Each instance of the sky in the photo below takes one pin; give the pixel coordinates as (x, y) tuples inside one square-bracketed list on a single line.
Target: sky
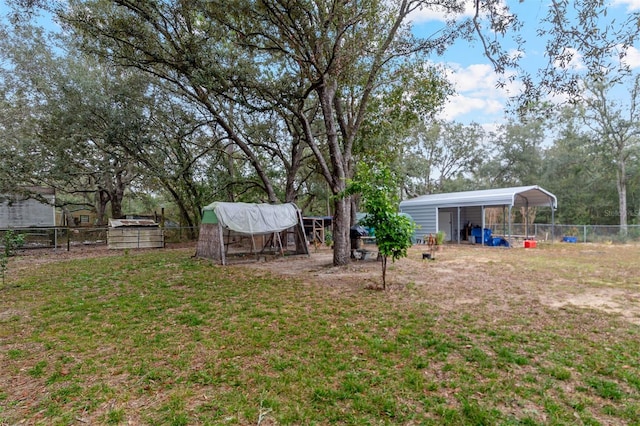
[(477, 98)]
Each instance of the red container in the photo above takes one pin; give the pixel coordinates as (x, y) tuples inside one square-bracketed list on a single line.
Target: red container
[(529, 244)]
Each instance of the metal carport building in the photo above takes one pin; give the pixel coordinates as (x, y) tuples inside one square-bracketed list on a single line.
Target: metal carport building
[(451, 211)]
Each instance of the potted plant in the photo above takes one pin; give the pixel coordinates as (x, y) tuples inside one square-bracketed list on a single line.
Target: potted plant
[(440, 235)]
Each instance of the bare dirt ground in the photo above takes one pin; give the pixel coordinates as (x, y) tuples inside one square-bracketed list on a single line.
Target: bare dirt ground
[(491, 277), (461, 275)]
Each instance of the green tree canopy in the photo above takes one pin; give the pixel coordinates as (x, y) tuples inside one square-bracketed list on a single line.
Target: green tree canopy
[(393, 231)]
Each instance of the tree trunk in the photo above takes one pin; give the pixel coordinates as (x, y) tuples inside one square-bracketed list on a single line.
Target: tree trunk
[(341, 227), (116, 200), (338, 175), (384, 272), (621, 183), (116, 208), (102, 198)]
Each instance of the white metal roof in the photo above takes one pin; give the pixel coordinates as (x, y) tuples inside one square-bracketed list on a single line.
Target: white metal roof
[(121, 223), (520, 196)]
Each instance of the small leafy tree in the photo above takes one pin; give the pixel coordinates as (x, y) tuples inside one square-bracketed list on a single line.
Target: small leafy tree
[(11, 241), (377, 188)]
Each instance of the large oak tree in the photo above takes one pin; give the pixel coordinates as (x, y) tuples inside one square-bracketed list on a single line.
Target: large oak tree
[(317, 64)]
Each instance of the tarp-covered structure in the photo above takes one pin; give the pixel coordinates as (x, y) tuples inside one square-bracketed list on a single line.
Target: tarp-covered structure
[(450, 212), (242, 229)]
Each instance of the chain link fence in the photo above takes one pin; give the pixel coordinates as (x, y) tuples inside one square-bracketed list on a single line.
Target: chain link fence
[(67, 238), (60, 238), (571, 233)]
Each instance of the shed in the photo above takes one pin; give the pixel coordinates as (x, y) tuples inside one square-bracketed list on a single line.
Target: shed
[(450, 212), (256, 230), (134, 234), (28, 207)]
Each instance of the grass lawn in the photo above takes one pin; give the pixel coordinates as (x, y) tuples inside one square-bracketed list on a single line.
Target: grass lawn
[(480, 336)]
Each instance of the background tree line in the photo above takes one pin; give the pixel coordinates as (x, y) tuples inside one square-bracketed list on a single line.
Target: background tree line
[(183, 103)]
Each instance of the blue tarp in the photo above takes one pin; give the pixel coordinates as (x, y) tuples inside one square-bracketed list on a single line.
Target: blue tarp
[(498, 242), (477, 234)]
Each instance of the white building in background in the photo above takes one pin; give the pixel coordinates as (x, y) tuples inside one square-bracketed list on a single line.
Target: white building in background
[(35, 207)]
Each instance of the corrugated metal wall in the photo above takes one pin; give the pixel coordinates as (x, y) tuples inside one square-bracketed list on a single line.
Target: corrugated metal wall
[(17, 213), (425, 219), (473, 215)]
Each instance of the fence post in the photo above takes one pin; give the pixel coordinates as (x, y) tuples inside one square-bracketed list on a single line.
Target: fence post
[(584, 231)]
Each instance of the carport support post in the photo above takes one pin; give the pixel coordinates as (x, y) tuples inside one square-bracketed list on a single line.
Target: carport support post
[(526, 230), (511, 242), (526, 219), (458, 225), (482, 229), (553, 223)]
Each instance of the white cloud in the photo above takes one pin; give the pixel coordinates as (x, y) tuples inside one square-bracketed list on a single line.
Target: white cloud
[(517, 54), (572, 60), (434, 13), (491, 127), (630, 4), (478, 97), (477, 109), (439, 13), (632, 58), (473, 77)]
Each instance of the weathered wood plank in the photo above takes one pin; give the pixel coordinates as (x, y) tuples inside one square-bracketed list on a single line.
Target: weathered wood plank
[(126, 238)]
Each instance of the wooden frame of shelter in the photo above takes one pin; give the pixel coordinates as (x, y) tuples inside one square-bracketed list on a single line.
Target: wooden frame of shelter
[(315, 228), (250, 231)]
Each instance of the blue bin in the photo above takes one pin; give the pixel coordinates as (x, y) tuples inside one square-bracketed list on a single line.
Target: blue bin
[(477, 234), (570, 239)]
